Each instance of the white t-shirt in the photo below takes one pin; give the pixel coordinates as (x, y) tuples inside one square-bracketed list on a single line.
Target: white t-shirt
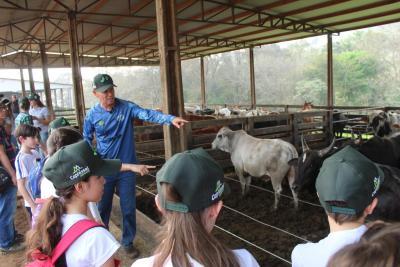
[(92, 248), (41, 113), (24, 163), (244, 257), (318, 254), (47, 188)]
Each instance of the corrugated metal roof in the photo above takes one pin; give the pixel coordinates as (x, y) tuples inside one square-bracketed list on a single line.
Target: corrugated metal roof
[(124, 32)]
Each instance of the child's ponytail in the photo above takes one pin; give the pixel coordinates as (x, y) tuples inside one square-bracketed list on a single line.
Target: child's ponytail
[(48, 229)]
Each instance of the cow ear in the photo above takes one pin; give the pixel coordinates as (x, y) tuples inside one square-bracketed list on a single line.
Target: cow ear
[(293, 162)]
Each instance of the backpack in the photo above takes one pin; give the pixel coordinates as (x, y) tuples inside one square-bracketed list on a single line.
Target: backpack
[(76, 230), (34, 177)]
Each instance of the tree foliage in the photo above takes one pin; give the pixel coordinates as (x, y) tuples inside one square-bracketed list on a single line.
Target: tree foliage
[(365, 68)]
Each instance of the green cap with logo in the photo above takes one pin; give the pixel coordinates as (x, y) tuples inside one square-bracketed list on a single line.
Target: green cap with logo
[(348, 182), (73, 163), (196, 177), (33, 96), (57, 123), (102, 82), (24, 101)]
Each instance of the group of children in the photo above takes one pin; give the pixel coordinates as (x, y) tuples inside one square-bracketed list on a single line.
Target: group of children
[(190, 189)]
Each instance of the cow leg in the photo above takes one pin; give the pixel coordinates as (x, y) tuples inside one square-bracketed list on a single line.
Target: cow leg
[(242, 180), (247, 185), (291, 179), (276, 185)]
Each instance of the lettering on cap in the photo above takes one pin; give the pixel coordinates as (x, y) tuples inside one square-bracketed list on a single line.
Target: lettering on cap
[(79, 171), (219, 189)]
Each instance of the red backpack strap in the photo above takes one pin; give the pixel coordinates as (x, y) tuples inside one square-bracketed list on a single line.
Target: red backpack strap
[(75, 231)]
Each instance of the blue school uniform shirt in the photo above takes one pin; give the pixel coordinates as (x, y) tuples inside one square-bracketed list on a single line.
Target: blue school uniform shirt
[(114, 129)]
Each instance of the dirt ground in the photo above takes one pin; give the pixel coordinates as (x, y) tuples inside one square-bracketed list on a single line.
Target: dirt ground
[(308, 221), (22, 225)]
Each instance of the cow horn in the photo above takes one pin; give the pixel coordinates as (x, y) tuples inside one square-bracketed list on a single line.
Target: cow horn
[(304, 145), (326, 150)]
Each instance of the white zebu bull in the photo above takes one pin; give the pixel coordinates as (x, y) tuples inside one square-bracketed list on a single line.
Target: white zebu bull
[(259, 157)]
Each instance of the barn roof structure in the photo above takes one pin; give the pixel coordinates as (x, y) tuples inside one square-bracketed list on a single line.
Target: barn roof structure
[(124, 32), (85, 33)]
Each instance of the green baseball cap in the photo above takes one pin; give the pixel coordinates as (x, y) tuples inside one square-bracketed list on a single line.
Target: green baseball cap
[(24, 101), (196, 177), (102, 82), (73, 163), (57, 123), (348, 182), (33, 96)]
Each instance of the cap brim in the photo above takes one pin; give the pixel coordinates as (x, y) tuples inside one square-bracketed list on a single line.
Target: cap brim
[(104, 88), (107, 167)]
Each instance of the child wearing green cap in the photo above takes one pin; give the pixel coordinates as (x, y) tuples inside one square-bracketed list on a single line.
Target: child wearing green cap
[(77, 173), (61, 137), (346, 186), (23, 116), (190, 187)]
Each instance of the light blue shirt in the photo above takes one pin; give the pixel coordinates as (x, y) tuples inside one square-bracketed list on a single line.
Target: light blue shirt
[(114, 129)]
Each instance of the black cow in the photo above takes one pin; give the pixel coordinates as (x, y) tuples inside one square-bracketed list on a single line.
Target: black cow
[(380, 124), (388, 207), (339, 122), (380, 150), (377, 149), (308, 165)]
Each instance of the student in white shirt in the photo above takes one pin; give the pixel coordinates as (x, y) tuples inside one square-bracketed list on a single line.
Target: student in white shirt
[(77, 174), (26, 160), (40, 115), (190, 187), (346, 185)]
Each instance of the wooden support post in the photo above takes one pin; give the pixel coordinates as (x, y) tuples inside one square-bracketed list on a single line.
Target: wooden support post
[(330, 73), (252, 79), (330, 96), (170, 71), (46, 80), (21, 72), (31, 80), (76, 71), (202, 84)]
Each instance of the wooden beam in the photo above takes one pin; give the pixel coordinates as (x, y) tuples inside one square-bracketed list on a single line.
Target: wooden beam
[(170, 72), (76, 71), (21, 73), (46, 80), (31, 80), (202, 84), (252, 79)]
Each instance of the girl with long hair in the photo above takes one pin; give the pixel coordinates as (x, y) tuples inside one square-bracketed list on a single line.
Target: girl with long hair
[(190, 188), (77, 174)]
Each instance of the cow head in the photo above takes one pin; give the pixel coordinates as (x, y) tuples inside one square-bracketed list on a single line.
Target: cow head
[(380, 124), (221, 141), (308, 165)]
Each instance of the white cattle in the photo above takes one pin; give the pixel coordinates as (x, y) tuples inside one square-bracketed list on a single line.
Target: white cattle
[(259, 157)]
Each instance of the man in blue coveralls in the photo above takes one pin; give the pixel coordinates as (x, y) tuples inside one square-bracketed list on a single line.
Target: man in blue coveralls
[(111, 121)]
